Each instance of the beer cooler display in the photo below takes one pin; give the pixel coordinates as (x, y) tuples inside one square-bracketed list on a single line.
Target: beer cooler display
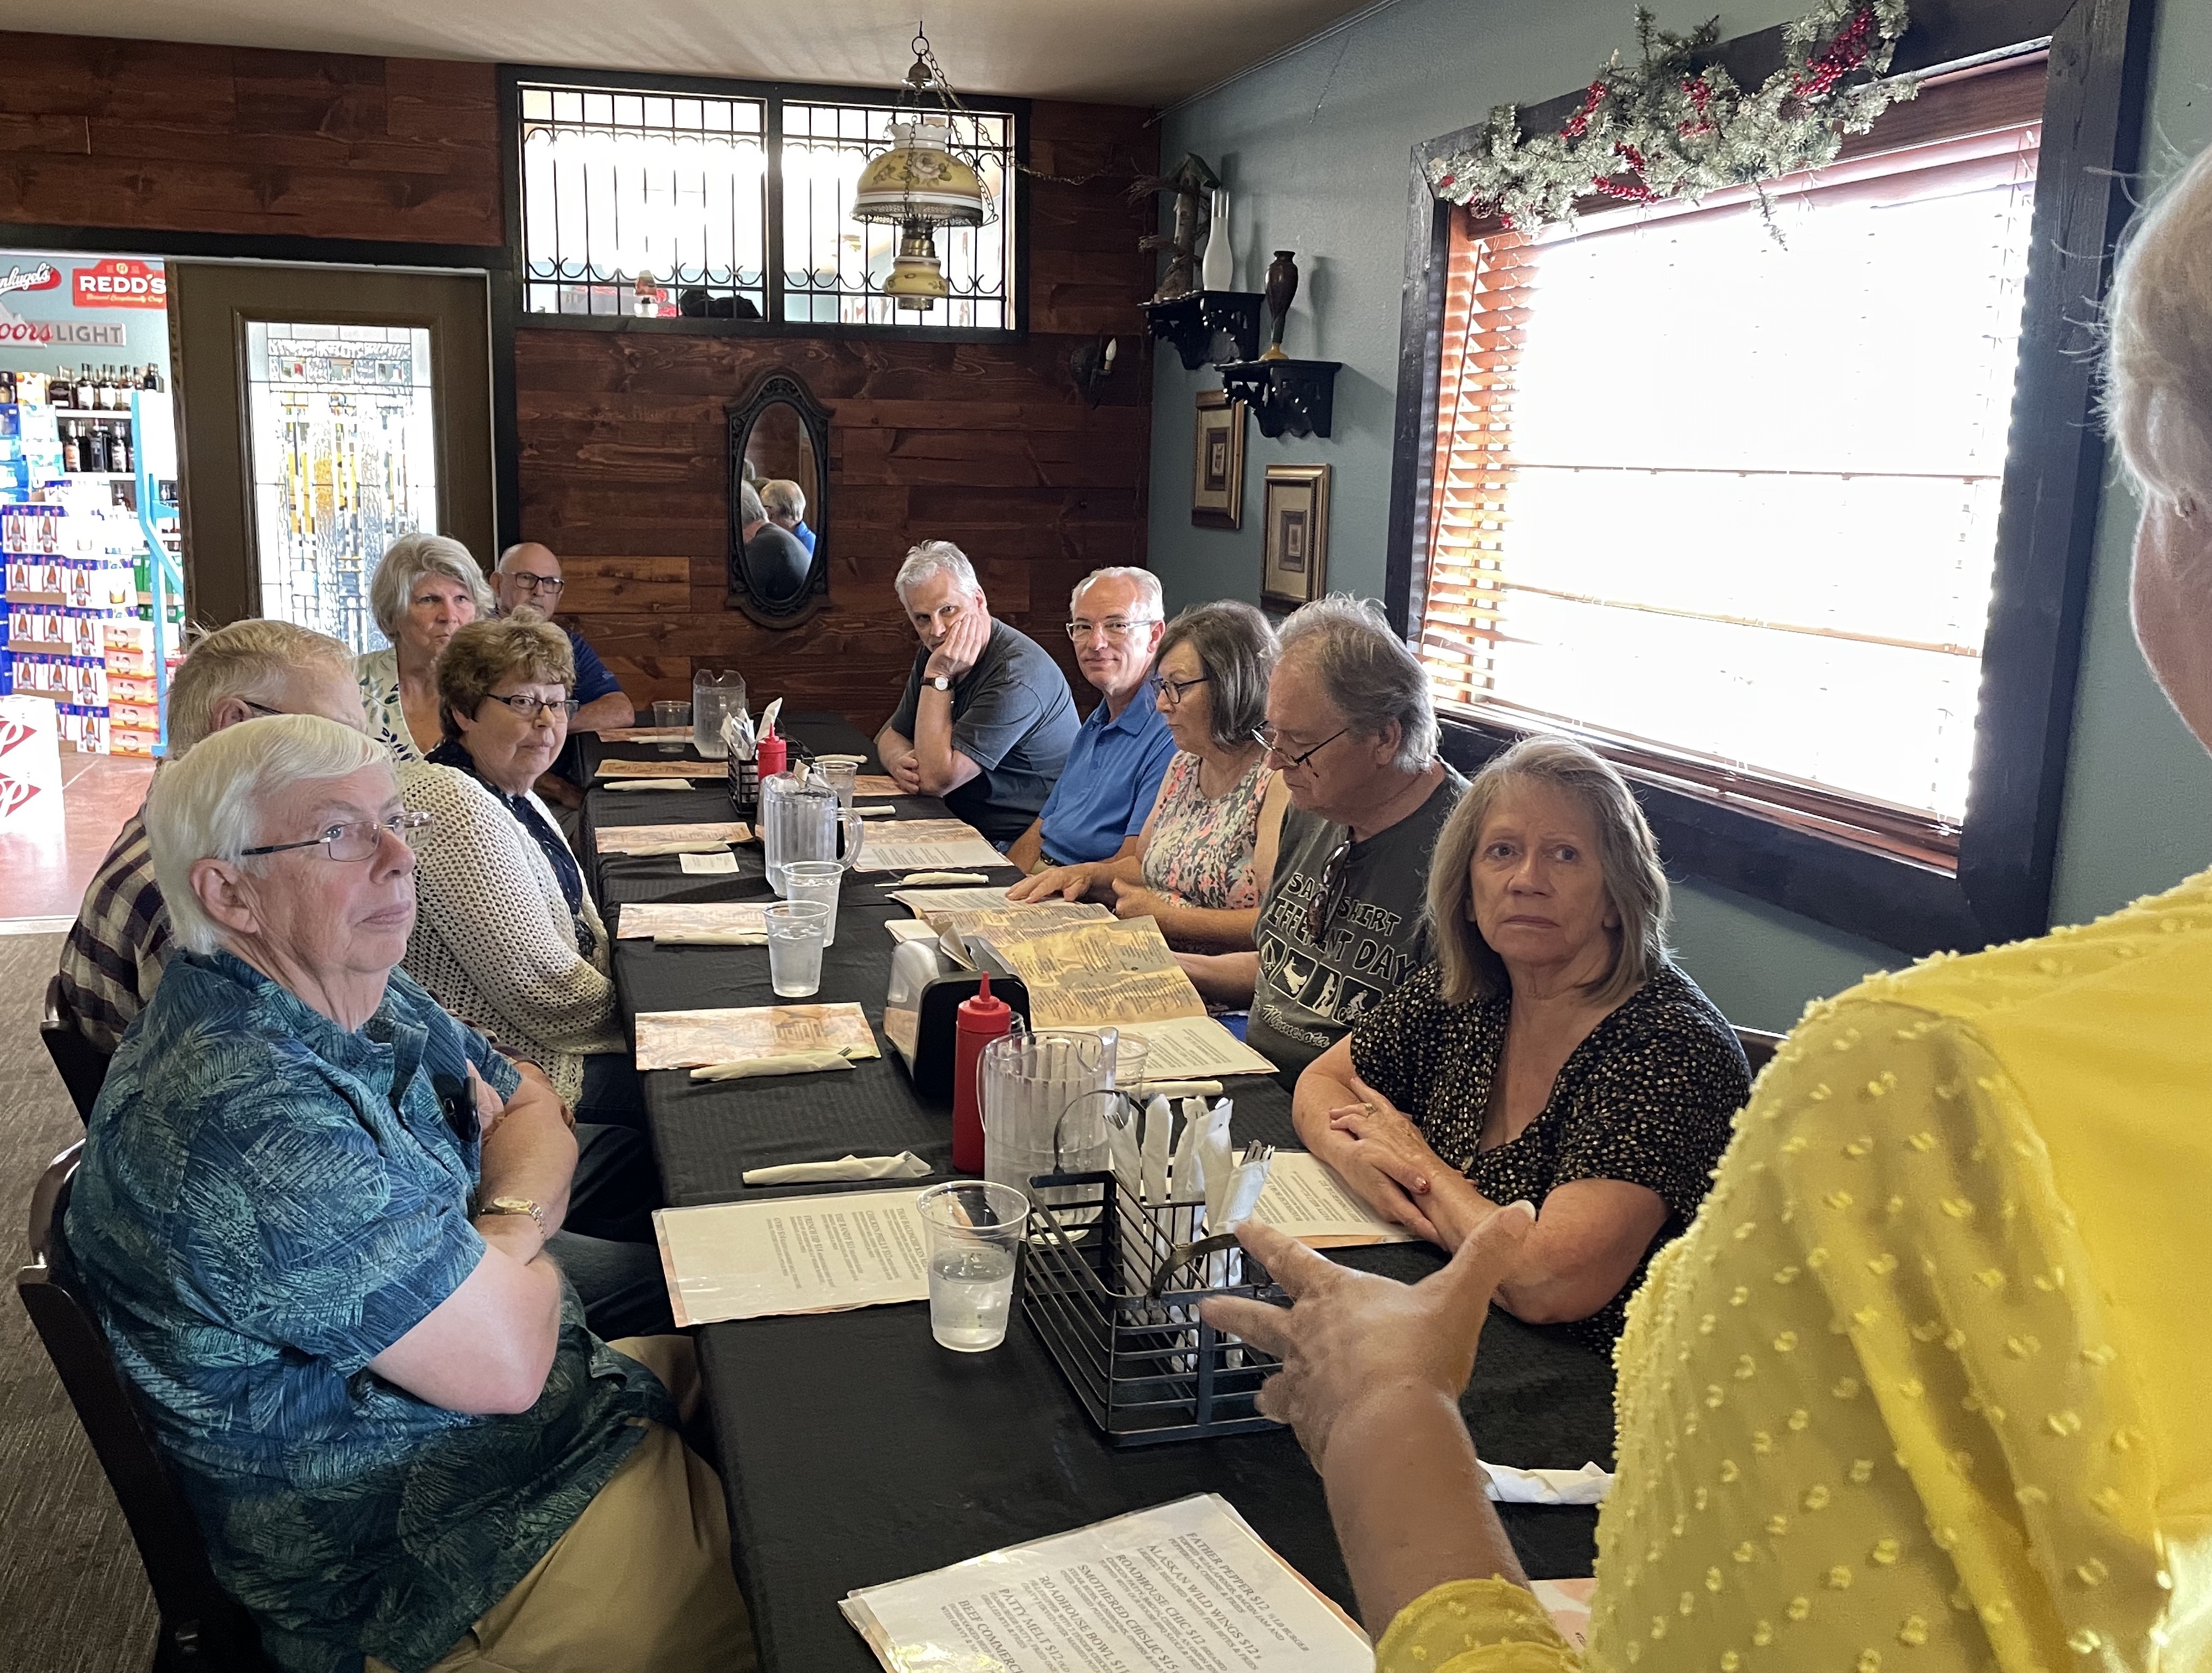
[(342, 438), (88, 524)]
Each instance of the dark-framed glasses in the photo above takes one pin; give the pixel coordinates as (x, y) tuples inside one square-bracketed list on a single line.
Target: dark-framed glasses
[(355, 839), (531, 583), (530, 707), (1113, 627), (1267, 739), (1170, 689), (1328, 893)]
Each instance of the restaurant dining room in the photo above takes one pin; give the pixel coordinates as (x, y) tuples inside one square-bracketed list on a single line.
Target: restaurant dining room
[(1439, 900)]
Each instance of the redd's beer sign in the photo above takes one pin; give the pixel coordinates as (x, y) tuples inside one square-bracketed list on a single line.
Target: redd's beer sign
[(121, 283)]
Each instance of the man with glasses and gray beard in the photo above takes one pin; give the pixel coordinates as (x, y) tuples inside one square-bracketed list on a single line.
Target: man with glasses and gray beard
[(1351, 727)]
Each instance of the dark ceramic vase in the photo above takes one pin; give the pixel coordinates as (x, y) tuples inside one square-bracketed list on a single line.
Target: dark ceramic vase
[(1282, 289)]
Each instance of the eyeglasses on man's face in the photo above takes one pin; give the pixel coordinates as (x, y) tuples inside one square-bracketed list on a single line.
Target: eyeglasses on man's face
[(530, 707), (1270, 740), (352, 840), (1113, 627), (531, 583), (1169, 690)]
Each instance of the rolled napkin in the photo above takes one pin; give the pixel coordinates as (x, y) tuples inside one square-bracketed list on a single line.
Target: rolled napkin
[(1159, 1127), (878, 811), (783, 1062), (931, 879), (1588, 1486), (904, 1165), (710, 938), (647, 784), (1178, 1088)]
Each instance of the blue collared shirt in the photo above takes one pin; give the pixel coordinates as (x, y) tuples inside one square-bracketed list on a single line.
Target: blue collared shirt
[(1106, 791), (267, 1203)]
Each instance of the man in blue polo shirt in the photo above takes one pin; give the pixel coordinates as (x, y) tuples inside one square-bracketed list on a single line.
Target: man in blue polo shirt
[(1114, 771), (529, 577)]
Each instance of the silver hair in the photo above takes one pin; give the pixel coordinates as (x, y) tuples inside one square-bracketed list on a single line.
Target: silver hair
[(2159, 363), (783, 497), (406, 560), (1154, 603), (749, 509), (1367, 672), (249, 659), (935, 557), (209, 805)]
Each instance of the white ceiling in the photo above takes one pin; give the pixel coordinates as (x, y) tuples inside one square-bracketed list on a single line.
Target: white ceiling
[(1117, 52)]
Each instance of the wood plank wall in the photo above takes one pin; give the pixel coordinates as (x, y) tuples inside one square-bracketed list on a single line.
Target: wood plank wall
[(158, 135), (984, 444), (623, 454)]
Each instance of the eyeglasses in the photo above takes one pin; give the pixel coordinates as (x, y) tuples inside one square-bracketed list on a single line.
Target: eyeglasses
[(263, 707), (530, 707), (1323, 905), (357, 840), (1171, 690), (1259, 736), (1113, 627), (528, 582)]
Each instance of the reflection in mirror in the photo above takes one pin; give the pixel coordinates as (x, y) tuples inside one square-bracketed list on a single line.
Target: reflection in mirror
[(780, 453)]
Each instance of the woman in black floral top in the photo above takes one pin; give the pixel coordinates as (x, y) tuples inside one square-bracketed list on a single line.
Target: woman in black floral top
[(1552, 1053)]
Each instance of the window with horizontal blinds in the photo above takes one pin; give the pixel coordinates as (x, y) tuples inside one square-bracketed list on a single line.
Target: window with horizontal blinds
[(1726, 504)]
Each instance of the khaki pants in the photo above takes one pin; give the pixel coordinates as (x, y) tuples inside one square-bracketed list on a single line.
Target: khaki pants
[(642, 1582)]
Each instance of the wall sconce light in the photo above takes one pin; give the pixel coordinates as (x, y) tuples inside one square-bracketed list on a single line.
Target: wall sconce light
[(1090, 365)]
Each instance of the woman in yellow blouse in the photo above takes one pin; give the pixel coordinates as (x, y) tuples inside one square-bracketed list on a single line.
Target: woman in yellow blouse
[(1924, 1389)]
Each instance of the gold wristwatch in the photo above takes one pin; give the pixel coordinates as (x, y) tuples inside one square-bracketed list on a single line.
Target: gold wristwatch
[(515, 1205)]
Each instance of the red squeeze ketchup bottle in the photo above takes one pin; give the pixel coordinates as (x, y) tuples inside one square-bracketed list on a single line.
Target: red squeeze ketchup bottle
[(771, 754), (979, 1020)]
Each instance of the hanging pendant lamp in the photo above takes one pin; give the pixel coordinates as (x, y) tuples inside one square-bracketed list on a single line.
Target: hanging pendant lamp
[(921, 184)]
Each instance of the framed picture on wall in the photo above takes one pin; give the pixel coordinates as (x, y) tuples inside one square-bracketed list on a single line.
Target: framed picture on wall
[(1217, 481), (1294, 541)]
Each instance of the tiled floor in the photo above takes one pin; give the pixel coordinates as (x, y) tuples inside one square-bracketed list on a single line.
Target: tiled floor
[(44, 865)]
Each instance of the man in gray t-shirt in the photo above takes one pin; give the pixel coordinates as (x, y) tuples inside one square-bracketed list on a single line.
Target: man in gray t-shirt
[(1341, 924), (987, 720)]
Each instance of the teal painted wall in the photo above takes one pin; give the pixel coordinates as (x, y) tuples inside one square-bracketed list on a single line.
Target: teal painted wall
[(1315, 150)]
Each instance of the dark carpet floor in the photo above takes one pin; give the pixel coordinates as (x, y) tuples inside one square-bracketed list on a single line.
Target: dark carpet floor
[(73, 1598)]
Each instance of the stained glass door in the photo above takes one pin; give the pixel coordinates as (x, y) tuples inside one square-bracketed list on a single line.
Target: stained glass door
[(343, 436)]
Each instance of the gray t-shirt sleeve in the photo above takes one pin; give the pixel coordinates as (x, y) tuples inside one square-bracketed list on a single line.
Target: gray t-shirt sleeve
[(1004, 711)]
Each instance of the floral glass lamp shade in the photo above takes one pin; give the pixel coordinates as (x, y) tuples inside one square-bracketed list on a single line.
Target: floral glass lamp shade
[(921, 184)]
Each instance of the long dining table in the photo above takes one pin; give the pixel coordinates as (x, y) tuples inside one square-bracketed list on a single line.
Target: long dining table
[(853, 1450)]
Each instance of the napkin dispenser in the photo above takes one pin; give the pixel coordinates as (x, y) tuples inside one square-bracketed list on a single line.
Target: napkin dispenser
[(920, 1012)]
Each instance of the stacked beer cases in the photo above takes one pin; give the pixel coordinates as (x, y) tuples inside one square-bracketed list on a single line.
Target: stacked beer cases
[(78, 634)]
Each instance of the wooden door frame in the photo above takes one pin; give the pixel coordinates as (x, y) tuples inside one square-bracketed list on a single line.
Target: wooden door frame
[(220, 507)]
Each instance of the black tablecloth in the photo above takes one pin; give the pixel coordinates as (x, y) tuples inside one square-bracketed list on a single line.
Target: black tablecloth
[(854, 1450)]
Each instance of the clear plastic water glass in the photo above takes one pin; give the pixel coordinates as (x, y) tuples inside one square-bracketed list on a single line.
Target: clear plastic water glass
[(1131, 1054), (841, 774), (974, 1231), (668, 714), (795, 930), (820, 881)]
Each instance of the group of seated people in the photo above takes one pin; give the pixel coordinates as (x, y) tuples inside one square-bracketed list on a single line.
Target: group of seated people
[(1904, 1339)]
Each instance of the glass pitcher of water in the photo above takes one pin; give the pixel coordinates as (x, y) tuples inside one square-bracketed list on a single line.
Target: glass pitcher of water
[(800, 820), (716, 692)]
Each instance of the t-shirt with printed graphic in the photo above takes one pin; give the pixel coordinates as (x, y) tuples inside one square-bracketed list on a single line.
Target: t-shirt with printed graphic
[(1308, 997)]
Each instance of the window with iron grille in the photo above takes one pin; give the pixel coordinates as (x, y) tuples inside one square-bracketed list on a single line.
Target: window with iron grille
[(1725, 503), (688, 186)]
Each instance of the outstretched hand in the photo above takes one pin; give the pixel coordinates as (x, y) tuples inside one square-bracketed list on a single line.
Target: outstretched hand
[(1068, 882), (1349, 1336)]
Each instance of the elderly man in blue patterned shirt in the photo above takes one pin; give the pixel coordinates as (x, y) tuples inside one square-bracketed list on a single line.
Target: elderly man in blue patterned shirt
[(312, 1215)]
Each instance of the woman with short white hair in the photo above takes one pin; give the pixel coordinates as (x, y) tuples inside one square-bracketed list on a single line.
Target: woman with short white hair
[(426, 588)]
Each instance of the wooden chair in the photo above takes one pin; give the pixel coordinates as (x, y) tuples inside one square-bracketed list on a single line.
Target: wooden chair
[(204, 1629), (1759, 1046), (83, 1066)]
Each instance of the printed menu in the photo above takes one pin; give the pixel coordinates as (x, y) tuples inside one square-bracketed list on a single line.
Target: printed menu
[(910, 845), (1186, 1587), (1305, 1200), (691, 1039), (961, 934), (642, 918), (661, 769), (793, 1254), (671, 838)]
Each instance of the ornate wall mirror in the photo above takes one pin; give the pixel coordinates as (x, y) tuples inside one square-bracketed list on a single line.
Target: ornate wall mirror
[(779, 435)]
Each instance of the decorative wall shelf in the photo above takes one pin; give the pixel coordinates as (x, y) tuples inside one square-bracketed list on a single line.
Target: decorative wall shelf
[(1297, 395), (1192, 322)]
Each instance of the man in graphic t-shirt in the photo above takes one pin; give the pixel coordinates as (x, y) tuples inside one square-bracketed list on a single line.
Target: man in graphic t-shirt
[(1341, 925)]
